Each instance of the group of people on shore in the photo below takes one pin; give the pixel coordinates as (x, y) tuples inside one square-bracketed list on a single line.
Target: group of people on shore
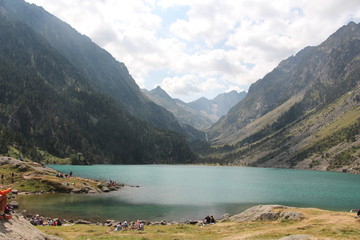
[(60, 175), (41, 221), (138, 225), (209, 220)]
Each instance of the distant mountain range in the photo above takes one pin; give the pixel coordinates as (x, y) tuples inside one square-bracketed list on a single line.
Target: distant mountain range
[(201, 113), (303, 114)]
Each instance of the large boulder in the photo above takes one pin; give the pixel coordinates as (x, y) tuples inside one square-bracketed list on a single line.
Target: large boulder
[(80, 221), (267, 212), (14, 204), (76, 190), (19, 228), (9, 160)]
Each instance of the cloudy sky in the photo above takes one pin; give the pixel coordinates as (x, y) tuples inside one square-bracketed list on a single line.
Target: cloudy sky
[(195, 48)]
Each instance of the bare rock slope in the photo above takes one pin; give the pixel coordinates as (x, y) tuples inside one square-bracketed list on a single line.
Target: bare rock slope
[(267, 212), (18, 228)]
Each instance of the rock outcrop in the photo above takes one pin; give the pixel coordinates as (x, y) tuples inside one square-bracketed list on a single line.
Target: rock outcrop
[(298, 237), (267, 212), (19, 228)]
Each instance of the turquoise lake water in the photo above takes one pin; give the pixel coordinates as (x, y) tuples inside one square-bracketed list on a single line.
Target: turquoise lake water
[(183, 192)]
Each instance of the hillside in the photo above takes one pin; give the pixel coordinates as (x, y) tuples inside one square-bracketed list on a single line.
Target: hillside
[(303, 114), (101, 70), (48, 106), (201, 113)]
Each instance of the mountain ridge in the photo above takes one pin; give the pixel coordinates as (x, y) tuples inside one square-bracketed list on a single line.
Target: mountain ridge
[(201, 113), (262, 130), (102, 70), (48, 106)]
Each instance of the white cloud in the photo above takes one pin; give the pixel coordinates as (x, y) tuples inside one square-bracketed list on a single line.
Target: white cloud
[(189, 84), (234, 42)]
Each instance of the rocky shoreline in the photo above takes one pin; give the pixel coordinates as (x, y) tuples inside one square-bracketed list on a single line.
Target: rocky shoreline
[(20, 228), (256, 213), (19, 173)]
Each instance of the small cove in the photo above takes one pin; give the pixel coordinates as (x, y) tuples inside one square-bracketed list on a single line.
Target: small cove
[(183, 192)]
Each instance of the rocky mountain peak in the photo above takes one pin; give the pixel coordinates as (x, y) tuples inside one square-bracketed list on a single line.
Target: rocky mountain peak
[(346, 33)]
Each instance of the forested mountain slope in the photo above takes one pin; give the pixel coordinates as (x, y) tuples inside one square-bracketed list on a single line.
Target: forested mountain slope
[(305, 113), (47, 105), (101, 70)]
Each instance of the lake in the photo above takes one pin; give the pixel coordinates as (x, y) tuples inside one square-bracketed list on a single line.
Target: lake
[(183, 192)]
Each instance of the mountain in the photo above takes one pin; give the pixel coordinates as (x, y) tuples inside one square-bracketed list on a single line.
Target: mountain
[(184, 114), (219, 106), (303, 114), (199, 114), (102, 71), (48, 106)]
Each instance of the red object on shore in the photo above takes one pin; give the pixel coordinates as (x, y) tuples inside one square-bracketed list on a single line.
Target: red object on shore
[(5, 217), (5, 192)]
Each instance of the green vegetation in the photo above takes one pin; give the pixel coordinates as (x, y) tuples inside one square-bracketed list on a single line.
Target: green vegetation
[(101, 70), (50, 113), (305, 108), (343, 135), (319, 224), (346, 157), (33, 177), (20, 183)]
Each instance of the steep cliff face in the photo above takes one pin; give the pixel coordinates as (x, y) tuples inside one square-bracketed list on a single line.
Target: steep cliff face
[(103, 72), (317, 88), (47, 104), (313, 69)]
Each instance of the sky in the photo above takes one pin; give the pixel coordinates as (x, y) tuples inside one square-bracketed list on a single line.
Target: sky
[(201, 48)]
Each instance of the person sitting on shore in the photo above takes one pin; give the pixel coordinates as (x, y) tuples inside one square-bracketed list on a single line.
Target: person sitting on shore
[(132, 225), (58, 222), (37, 220), (3, 201), (118, 227), (140, 226), (212, 220), (206, 220), (125, 225), (54, 223)]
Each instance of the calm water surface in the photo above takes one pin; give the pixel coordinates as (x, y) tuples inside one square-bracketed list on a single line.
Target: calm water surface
[(192, 192)]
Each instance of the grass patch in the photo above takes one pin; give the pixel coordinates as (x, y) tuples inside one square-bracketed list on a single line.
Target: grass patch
[(346, 120), (346, 157), (50, 159), (318, 223)]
